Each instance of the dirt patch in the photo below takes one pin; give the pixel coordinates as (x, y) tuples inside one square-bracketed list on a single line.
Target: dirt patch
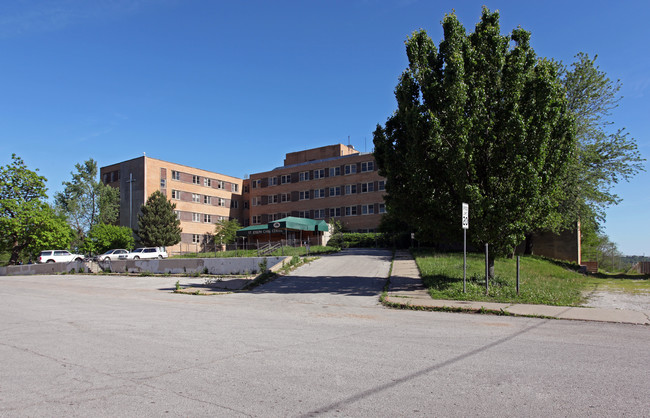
[(619, 300)]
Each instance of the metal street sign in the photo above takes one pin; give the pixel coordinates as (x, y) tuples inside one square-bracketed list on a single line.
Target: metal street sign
[(465, 216)]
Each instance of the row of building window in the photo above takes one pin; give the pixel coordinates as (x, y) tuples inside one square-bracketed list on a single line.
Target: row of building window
[(203, 217), (207, 200), (348, 189), (316, 174), (323, 213), (207, 182)]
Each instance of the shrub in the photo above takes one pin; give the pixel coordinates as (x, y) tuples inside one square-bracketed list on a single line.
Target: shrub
[(358, 240)]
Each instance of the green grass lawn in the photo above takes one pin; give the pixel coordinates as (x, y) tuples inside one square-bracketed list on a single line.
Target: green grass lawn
[(287, 251), (541, 281)]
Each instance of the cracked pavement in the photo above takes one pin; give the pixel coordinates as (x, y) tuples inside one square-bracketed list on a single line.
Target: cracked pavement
[(313, 343)]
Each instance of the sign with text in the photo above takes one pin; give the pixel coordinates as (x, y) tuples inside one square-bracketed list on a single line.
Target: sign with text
[(465, 218)]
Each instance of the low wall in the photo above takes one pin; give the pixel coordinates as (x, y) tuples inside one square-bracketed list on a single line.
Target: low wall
[(49, 268), (217, 266)]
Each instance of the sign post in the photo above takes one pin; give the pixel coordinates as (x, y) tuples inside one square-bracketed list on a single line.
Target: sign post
[(465, 222)]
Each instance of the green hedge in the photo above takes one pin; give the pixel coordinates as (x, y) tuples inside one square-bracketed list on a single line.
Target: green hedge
[(359, 240)]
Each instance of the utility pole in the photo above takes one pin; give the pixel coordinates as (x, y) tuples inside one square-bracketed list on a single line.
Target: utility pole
[(130, 181)]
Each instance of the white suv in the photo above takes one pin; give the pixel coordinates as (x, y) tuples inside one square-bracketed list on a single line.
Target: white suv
[(145, 253), (59, 256)]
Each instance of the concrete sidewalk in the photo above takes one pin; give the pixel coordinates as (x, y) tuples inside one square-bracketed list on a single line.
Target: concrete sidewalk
[(407, 291)]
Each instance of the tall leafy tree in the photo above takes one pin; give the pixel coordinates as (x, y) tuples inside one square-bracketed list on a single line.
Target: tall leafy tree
[(605, 155), (87, 201), (225, 231), (27, 222), (158, 225), (482, 120), (103, 237)]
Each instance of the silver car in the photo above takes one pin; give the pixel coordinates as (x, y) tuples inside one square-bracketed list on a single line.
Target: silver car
[(112, 255)]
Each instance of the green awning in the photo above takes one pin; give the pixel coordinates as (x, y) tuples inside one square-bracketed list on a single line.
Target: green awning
[(289, 223)]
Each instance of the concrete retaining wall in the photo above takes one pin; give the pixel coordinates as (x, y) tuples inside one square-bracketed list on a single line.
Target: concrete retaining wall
[(218, 266), (48, 268), (236, 265)]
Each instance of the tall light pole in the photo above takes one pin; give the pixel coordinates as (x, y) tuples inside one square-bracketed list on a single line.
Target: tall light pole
[(130, 181)]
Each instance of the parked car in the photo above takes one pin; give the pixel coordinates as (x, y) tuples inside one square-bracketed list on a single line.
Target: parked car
[(145, 253), (58, 256), (112, 255)]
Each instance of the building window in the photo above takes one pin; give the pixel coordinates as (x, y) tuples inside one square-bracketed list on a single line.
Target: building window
[(319, 174), (350, 188), (256, 183), (234, 204), (176, 194), (335, 212), (273, 181), (303, 176), (273, 198), (367, 209), (196, 217), (163, 183), (207, 200), (319, 213), (221, 184), (245, 204), (381, 185), (178, 214), (235, 188), (195, 179), (207, 218), (176, 175), (382, 208), (207, 182), (257, 219), (222, 201), (196, 238), (303, 214), (367, 187), (369, 166), (303, 195), (196, 198), (255, 201), (284, 197), (319, 193), (285, 178), (335, 191), (351, 169), (351, 211), (335, 171)]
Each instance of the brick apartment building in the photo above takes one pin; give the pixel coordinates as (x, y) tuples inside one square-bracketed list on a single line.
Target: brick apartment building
[(202, 197), (331, 182)]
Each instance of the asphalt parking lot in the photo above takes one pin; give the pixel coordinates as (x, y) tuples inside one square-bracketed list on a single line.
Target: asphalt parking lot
[(313, 343)]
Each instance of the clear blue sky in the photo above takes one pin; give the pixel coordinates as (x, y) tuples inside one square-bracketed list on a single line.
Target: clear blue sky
[(232, 86)]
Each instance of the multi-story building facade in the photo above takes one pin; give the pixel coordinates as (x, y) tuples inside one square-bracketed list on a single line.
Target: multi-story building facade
[(202, 197), (331, 182)]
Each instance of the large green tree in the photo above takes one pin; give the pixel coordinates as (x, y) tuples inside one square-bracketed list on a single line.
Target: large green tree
[(482, 120), (605, 155), (158, 225), (103, 237), (86, 201), (27, 222)]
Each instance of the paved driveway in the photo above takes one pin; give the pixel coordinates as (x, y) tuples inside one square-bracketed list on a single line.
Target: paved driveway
[(353, 277), (304, 345)]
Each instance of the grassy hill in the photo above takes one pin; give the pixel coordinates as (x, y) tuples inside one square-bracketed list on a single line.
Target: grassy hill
[(542, 281)]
